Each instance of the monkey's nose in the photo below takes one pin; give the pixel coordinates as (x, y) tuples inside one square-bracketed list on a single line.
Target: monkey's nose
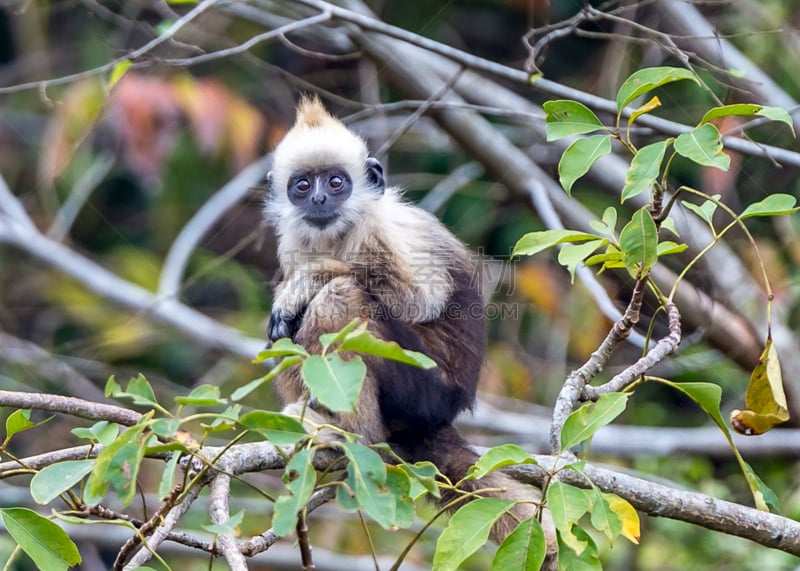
[(319, 198)]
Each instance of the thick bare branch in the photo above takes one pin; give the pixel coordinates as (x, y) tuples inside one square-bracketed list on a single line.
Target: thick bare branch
[(544, 85), (658, 500), (220, 494), (70, 405), (96, 278)]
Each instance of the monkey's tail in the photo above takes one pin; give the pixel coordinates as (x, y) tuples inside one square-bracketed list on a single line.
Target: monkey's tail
[(453, 456)]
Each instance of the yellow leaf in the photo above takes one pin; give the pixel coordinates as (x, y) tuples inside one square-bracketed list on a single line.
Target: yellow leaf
[(627, 513), (765, 400), (654, 103), (118, 72)]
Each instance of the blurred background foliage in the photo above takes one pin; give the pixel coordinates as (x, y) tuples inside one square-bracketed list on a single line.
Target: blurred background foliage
[(150, 151)]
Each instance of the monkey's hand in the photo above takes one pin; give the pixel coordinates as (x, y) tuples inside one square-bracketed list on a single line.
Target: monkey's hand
[(285, 322)]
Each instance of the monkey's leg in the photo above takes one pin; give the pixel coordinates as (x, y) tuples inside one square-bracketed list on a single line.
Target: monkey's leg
[(337, 304)]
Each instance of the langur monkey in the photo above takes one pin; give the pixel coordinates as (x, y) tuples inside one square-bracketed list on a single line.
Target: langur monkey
[(349, 246)]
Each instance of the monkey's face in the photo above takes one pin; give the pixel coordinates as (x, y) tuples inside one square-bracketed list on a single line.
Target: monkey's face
[(319, 194)]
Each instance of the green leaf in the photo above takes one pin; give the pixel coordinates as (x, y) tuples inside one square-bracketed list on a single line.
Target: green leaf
[(285, 364), (229, 527), (749, 109), (226, 420), (365, 342), (565, 118), (467, 531), (647, 79), (579, 157), (535, 242), (774, 205), (589, 418), (398, 484), (770, 498), (118, 72), (644, 169), (300, 477), (44, 541), (102, 431), (703, 146), (138, 390), (611, 258), (525, 548), (778, 114), (740, 109), (203, 395), (638, 242), (328, 339), (705, 211), (498, 457), (669, 224), (366, 478), (572, 255), (568, 504), (669, 247), (335, 383), (166, 427), (53, 480), (281, 348), (604, 518), (18, 421), (423, 478), (118, 465), (587, 560), (607, 226), (275, 427), (169, 476)]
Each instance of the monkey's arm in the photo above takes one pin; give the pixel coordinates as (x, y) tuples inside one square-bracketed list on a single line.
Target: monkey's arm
[(293, 294)]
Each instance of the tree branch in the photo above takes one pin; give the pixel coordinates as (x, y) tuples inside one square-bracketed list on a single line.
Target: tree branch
[(70, 405), (544, 85), (162, 531), (189, 321), (220, 494), (658, 500)]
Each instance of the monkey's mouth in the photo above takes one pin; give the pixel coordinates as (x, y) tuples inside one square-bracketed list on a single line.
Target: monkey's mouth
[(320, 220)]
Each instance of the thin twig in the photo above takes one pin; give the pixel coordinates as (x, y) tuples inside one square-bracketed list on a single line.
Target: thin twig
[(162, 531), (304, 543), (249, 44), (145, 529), (664, 347), (131, 56), (261, 543), (414, 117), (552, 88)]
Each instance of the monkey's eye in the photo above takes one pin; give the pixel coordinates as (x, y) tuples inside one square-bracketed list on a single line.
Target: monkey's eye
[(336, 182), (302, 185)]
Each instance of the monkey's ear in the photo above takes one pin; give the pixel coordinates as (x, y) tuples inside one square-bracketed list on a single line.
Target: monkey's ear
[(375, 175)]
